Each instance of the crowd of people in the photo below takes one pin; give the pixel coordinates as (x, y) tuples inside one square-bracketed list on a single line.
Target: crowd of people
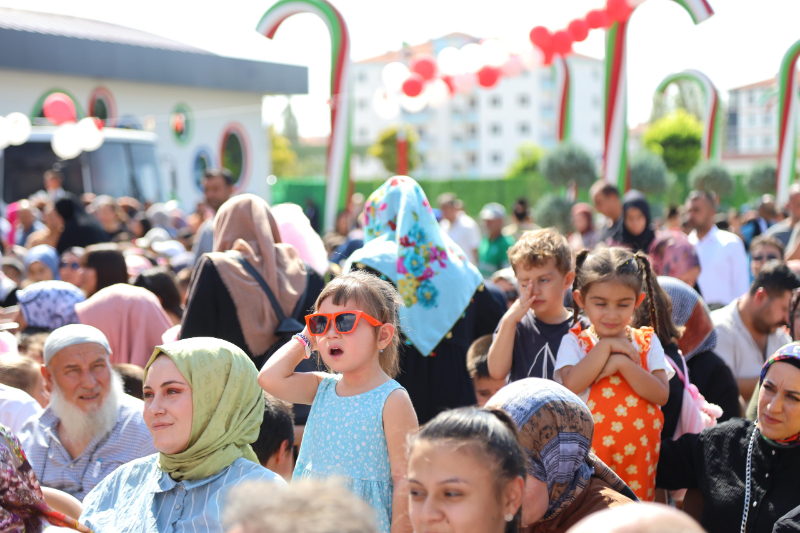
[(412, 370)]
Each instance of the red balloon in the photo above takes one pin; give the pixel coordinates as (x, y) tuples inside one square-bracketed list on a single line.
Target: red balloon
[(618, 10), (59, 108), (562, 42), (98, 122), (579, 30), (541, 37), (413, 85), (488, 76), (597, 18), (451, 85), (424, 65)]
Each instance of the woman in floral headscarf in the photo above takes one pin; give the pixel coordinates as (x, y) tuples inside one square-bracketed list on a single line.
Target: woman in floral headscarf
[(23, 508), (446, 304), (565, 482)]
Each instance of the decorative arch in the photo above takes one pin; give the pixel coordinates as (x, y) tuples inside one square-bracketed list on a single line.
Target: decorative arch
[(37, 107), (787, 123), (239, 132), (102, 97), (712, 117)]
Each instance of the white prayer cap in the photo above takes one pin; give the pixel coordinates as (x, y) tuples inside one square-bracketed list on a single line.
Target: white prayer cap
[(71, 335)]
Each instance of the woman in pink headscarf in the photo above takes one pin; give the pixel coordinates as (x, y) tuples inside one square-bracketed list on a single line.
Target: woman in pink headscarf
[(671, 254), (584, 237), (130, 317)]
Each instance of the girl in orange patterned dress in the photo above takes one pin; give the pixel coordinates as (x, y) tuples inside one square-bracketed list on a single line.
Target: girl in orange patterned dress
[(620, 372)]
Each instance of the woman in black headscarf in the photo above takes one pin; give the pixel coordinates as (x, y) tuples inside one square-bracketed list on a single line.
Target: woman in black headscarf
[(636, 231), (80, 228)]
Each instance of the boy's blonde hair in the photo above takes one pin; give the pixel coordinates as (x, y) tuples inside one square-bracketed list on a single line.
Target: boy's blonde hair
[(536, 247), (377, 298)]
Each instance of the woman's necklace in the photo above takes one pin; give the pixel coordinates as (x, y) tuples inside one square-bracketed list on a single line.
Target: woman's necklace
[(748, 479), (627, 332)]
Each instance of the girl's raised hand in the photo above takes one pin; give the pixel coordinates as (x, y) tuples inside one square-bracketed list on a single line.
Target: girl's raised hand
[(624, 347)]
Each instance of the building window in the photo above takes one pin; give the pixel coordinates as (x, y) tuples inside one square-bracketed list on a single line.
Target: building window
[(733, 100), (497, 158), (362, 77), (422, 159), (546, 110), (524, 100), (524, 129), (472, 131), (751, 120), (472, 103), (495, 101), (595, 129), (362, 104), (767, 120), (767, 142), (472, 158), (751, 97), (103, 106), (422, 132), (546, 80), (234, 153), (456, 138), (547, 138), (595, 74), (456, 168), (363, 133), (595, 101), (751, 142), (496, 129)]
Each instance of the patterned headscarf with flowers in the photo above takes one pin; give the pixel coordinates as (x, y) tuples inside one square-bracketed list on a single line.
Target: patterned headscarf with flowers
[(404, 242)]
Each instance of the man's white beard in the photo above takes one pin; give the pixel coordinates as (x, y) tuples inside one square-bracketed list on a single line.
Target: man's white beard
[(77, 425)]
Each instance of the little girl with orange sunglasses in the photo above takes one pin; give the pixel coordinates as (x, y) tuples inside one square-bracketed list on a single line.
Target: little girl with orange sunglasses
[(360, 417)]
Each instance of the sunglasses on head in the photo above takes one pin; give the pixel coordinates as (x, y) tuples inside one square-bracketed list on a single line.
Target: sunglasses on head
[(769, 257), (343, 321), (512, 295), (73, 265)]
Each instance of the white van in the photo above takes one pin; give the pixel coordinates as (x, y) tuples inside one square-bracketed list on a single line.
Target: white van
[(125, 165)]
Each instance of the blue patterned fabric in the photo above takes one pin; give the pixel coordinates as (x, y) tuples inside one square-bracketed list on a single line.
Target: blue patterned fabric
[(404, 242), (50, 304), (344, 438), (129, 439), (45, 255), (140, 498), (555, 429)]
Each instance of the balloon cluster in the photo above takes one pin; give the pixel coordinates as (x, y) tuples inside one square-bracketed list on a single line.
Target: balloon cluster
[(15, 129), (560, 42), (72, 136), (429, 81)]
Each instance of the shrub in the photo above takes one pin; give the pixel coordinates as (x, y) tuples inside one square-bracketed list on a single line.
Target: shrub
[(713, 177), (567, 163), (554, 211), (761, 179), (648, 173)]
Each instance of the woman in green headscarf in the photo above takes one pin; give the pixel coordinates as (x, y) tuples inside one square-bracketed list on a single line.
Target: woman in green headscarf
[(203, 407)]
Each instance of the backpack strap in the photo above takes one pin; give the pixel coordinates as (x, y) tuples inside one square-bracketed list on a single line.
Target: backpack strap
[(285, 325)]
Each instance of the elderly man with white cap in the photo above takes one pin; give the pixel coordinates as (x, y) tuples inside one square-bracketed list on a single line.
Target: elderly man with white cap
[(90, 426)]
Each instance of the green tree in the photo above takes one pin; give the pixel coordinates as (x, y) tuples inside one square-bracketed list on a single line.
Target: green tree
[(529, 157), (712, 177), (290, 128), (677, 139), (554, 211), (385, 148), (284, 159), (568, 163), (682, 94), (648, 173), (761, 179)]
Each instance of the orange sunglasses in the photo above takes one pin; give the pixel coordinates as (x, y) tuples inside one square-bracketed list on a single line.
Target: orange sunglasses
[(343, 322)]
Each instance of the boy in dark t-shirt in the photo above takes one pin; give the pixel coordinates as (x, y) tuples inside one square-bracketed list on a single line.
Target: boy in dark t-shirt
[(528, 337)]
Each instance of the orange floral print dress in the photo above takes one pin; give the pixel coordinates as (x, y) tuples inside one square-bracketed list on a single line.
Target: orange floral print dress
[(627, 428)]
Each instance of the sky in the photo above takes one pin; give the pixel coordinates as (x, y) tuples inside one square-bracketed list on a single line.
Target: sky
[(742, 43)]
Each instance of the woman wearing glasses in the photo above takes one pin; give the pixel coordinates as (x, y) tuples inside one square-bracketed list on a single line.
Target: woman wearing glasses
[(70, 266), (360, 417), (763, 249)]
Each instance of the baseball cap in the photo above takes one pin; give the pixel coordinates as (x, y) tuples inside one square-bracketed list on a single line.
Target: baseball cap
[(492, 211)]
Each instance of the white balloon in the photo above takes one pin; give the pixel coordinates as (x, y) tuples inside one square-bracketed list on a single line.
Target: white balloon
[(474, 57), (494, 52), (465, 83), (66, 141), (386, 104), (512, 67), (90, 138), (635, 3), (532, 58), (450, 61), (19, 128), (438, 93), (393, 75), (5, 133), (413, 104)]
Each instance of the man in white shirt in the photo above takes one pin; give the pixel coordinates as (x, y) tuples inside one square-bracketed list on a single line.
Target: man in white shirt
[(464, 231), (750, 329), (724, 271), (16, 407)]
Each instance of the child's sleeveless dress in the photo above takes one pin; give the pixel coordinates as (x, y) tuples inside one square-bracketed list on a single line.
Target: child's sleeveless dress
[(344, 438), (627, 428)]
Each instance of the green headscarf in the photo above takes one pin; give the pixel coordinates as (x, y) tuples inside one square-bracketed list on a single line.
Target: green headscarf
[(228, 406)]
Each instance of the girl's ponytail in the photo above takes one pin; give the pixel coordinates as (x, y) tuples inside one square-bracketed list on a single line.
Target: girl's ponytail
[(576, 285), (655, 312)]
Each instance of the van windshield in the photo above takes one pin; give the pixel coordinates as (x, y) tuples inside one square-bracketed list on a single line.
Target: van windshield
[(117, 168)]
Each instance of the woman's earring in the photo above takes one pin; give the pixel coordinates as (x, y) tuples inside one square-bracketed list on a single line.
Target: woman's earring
[(381, 351), (509, 517)]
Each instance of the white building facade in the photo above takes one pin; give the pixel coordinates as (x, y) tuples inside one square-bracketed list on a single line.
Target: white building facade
[(477, 135)]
